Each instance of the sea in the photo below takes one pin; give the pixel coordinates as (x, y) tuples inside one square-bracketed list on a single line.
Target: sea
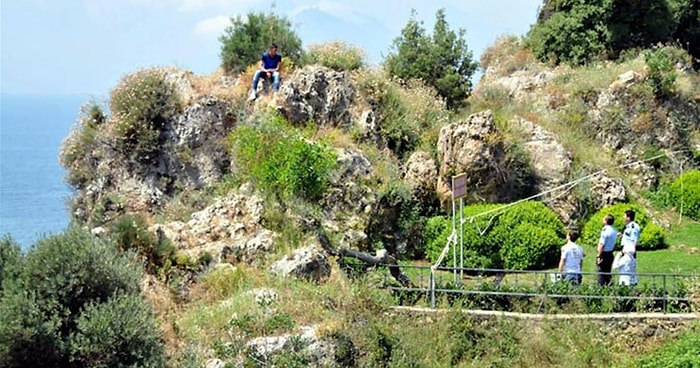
[(33, 193)]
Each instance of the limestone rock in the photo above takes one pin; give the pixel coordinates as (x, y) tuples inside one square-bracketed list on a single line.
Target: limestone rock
[(317, 94), (230, 230), (308, 263)]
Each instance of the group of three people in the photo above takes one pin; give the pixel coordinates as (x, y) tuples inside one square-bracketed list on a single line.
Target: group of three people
[(571, 262)]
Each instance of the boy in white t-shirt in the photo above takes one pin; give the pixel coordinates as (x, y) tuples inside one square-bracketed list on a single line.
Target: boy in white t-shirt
[(571, 260), (627, 265)]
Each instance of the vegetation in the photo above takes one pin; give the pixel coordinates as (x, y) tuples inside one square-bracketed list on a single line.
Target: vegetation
[(684, 352), (441, 60), (662, 73), (76, 302), (578, 32), (685, 194), (247, 38), (141, 105), (215, 312), (409, 115), (336, 55), (81, 170), (280, 161), (527, 235), (131, 232)]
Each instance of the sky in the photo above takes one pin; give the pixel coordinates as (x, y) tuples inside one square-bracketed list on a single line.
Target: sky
[(58, 47)]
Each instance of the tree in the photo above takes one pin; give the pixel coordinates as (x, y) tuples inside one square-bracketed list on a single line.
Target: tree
[(245, 39), (578, 31), (442, 60), (686, 13)]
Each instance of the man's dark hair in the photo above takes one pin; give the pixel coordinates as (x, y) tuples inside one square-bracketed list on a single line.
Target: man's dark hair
[(630, 214), (609, 220), (273, 45), (573, 235)]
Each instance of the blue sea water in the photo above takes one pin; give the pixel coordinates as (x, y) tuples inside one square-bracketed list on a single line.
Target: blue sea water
[(33, 193)]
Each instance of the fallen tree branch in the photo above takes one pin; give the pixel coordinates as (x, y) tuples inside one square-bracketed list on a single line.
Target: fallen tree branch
[(381, 258)]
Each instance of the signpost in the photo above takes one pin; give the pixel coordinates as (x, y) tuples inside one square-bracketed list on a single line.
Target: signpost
[(459, 190)]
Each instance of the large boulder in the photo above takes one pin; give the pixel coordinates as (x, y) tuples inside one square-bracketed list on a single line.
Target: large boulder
[(318, 94), (476, 148), (552, 164)]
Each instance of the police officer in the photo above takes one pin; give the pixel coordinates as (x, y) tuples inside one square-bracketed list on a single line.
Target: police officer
[(630, 236), (606, 245)]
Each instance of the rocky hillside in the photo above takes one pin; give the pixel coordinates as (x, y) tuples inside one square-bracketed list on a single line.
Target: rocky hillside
[(584, 138)]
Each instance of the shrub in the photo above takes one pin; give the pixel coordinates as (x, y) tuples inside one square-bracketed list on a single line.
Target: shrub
[(652, 236), (685, 193), (141, 104), (524, 236), (103, 337), (76, 151), (398, 220), (662, 72), (336, 55), (280, 161), (10, 260), (409, 114), (131, 233), (58, 297)]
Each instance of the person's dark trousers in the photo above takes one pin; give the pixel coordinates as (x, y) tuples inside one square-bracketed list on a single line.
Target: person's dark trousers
[(604, 269), (573, 278)]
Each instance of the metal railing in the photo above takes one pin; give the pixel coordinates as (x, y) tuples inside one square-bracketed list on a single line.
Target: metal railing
[(431, 282)]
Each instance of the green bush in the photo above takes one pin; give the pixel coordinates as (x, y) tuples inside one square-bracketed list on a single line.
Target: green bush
[(141, 104), (10, 260), (685, 193), (246, 39), (131, 233), (278, 160), (336, 55), (527, 235), (104, 338), (53, 314), (662, 72), (652, 236)]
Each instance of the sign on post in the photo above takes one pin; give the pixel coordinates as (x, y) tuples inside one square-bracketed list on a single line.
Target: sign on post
[(459, 186)]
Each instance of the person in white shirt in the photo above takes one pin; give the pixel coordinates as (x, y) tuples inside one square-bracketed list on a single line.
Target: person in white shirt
[(571, 260), (606, 245), (627, 266), (630, 235)]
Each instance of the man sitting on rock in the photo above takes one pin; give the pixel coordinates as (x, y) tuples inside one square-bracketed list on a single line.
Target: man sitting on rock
[(269, 69)]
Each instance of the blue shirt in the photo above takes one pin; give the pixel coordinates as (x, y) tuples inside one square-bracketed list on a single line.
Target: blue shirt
[(630, 237), (608, 237), (271, 62)]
